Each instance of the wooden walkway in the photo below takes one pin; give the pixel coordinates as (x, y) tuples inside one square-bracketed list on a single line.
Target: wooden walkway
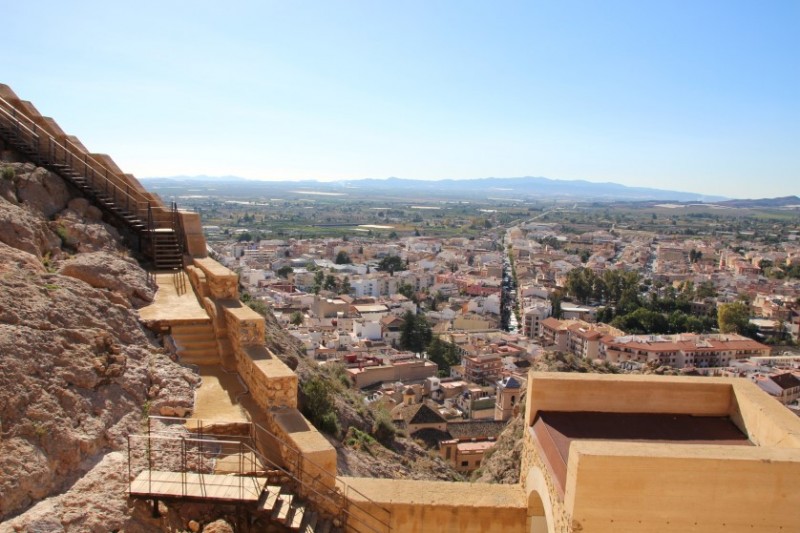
[(158, 484)]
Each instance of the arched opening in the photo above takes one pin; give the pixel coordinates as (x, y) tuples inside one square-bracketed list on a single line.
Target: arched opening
[(540, 510), (536, 516)]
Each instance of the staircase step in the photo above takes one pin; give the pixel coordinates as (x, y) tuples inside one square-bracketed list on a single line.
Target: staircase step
[(281, 512), (270, 497), (298, 511), (309, 521), (191, 329)]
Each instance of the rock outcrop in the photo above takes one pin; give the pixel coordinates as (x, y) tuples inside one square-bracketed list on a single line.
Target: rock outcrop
[(118, 274), (78, 372)]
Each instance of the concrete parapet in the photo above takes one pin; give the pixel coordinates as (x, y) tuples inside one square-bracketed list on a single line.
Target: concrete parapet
[(623, 485), (222, 282), (421, 506), (766, 422), (193, 233), (198, 280), (635, 486), (610, 393), (306, 454)]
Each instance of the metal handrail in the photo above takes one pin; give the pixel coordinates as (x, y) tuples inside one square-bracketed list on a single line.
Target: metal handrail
[(179, 280), (183, 443), (335, 496), (320, 470), (19, 119), (177, 226)]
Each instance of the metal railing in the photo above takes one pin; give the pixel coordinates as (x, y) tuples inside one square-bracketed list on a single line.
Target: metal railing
[(297, 472), (196, 460), (51, 151), (64, 156), (327, 489), (179, 279)]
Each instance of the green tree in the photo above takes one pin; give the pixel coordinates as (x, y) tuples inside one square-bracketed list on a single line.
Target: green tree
[(733, 317), (556, 297), (444, 354), (408, 291), (342, 258), (296, 318), (344, 286), (331, 283), (391, 264), (416, 333), (318, 404), (284, 271), (706, 289), (319, 277)]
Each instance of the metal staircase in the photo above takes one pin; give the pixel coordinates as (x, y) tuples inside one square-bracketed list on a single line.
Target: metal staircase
[(155, 227), (186, 460)]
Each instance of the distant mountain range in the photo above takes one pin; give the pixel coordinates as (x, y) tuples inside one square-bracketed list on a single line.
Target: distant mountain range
[(783, 201), (517, 189)]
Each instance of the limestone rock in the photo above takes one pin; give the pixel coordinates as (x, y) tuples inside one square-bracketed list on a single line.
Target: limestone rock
[(104, 270), (12, 259), (218, 526), (81, 229), (43, 191), (76, 372), (24, 230)]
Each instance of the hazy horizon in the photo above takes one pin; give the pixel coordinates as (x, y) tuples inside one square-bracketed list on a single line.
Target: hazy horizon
[(696, 96)]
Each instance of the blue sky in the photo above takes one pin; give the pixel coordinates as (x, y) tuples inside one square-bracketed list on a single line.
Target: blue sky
[(695, 95)]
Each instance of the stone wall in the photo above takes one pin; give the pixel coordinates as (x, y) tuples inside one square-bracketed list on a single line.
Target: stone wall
[(305, 453), (270, 381), (422, 506), (222, 282), (289, 438)]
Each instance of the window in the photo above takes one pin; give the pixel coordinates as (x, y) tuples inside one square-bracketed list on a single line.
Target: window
[(464, 463)]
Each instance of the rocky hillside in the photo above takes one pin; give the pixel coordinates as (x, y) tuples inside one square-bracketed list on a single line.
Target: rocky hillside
[(77, 370)]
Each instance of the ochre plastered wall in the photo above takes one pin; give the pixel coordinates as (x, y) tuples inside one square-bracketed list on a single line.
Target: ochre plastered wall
[(628, 394), (425, 506), (621, 486), (633, 487)]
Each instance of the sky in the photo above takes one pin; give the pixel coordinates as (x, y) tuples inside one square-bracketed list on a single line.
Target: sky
[(690, 95)]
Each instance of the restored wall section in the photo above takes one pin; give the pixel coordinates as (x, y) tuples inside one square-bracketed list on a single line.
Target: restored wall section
[(422, 506), (633, 394), (634, 487), (289, 438), (765, 421)]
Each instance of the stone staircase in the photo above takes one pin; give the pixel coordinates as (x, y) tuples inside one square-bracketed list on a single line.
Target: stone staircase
[(196, 344), (289, 511)]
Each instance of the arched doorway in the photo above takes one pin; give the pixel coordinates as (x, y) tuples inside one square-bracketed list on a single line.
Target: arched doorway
[(540, 510)]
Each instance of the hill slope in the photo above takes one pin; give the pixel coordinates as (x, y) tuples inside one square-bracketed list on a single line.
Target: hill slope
[(77, 370)]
